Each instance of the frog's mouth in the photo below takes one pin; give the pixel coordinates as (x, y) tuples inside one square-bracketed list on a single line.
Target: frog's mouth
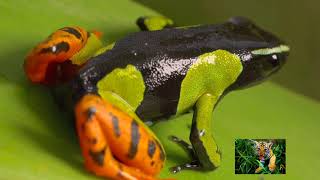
[(49, 71), (58, 73)]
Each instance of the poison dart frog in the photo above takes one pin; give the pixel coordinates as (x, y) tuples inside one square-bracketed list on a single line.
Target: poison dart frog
[(159, 72)]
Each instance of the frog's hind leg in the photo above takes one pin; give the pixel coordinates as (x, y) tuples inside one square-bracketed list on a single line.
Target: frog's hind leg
[(153, 23), (113, 144)]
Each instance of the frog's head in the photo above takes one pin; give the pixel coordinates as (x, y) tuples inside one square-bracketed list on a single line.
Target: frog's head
[(261, 52), (58, 58)]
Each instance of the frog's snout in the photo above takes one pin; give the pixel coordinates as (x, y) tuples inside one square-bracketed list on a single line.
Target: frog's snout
[(264, 54), (240, 21)]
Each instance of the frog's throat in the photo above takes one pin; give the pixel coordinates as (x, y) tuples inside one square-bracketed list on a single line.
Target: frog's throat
[(89, 50)]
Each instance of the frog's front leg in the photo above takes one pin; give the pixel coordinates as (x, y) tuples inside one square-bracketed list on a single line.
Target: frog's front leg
[(206, 152), (205, 82), (113, 144), (201, 135)]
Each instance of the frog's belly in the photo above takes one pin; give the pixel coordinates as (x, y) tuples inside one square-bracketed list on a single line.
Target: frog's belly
[(153, 108)]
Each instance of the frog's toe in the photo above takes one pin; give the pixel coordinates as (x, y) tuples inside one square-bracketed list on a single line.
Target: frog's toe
[(181, 142), (185, 146), (193, 165)]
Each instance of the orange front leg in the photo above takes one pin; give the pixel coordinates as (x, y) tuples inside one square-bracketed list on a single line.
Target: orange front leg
[(101, 140)]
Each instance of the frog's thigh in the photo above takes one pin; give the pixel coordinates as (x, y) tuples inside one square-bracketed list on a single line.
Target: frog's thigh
[(204, 83), (105, 132)]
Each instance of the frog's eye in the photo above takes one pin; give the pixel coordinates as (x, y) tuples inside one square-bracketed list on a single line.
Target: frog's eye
[(56, 48), (274, 57), (274, 60), (49, 62)]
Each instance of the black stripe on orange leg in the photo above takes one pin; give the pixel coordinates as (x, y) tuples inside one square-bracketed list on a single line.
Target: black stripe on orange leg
[(152, 163), (91, 112), (73, 31), (115, 124), (98, 157), (56, 49), (135, 138), (93, 141), (151, 148)]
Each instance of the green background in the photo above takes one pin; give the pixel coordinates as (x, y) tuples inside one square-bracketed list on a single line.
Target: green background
[(37, 140)]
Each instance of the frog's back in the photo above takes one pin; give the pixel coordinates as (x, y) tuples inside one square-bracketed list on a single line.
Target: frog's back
[(163, 58)]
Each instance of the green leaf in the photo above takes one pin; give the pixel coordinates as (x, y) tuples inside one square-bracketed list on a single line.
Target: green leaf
[(38, 140)]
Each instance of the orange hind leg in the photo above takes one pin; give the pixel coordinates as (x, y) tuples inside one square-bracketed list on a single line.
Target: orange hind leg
[(113, 144)]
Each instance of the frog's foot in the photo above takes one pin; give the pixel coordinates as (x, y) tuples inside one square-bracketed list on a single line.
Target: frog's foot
[(194, 164), (113, 144), (185, 146)]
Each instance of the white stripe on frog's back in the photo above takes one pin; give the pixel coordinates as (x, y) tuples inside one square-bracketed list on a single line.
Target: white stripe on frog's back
[(267, 51)]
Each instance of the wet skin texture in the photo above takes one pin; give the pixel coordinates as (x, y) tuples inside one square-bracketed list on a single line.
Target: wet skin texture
[(164, 57), (150, 75)]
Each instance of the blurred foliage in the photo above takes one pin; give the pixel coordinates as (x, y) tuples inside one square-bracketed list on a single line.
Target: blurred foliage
[(247, 160)]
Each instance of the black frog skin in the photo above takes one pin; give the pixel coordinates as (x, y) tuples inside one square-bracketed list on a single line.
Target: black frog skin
[(121, 88), (164, 57)]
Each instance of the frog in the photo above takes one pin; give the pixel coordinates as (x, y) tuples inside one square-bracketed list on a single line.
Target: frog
[(162, 71)]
